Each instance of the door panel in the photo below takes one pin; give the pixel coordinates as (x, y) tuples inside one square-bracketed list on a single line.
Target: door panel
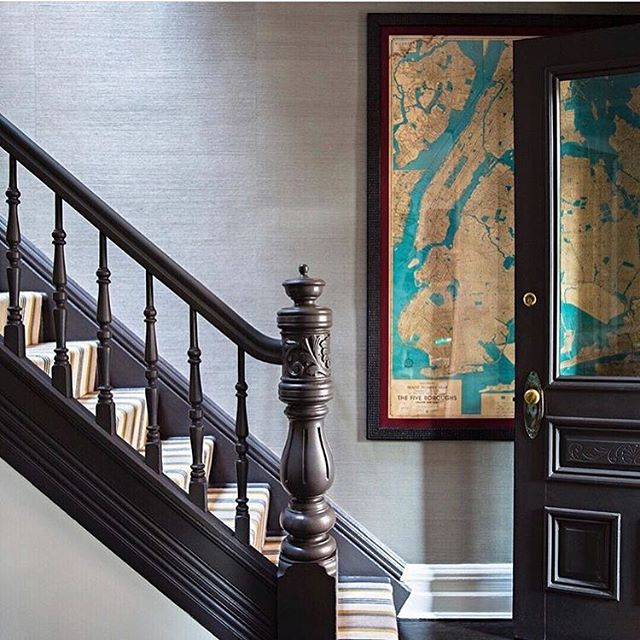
[(577, 506), (594, 451), (583, 552)]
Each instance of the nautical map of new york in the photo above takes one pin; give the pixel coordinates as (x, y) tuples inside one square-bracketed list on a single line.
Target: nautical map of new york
[(452, 338)]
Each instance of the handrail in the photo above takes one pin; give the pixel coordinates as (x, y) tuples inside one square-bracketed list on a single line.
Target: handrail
[(133, 243)]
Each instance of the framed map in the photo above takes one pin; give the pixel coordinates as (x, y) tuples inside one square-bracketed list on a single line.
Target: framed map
[(441, 334)]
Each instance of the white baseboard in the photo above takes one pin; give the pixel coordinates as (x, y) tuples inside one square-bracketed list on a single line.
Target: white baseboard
[(458, 591)]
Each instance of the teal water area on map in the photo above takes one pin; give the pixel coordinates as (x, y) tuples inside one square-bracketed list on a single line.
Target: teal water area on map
[(587, 332), (408, 360), (595, 105)]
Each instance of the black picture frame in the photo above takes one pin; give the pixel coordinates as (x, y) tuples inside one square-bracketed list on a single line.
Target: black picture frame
[(379, 25)]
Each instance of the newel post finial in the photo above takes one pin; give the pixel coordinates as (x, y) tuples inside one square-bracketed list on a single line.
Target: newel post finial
[(307, 571)]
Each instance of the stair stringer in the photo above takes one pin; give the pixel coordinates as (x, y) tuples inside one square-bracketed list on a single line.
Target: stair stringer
[(360, 552), (143, 517)]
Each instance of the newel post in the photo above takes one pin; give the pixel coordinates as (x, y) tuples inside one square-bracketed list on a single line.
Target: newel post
[(308, 566)]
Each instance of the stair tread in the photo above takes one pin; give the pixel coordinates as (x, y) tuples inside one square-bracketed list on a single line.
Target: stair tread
[(83, 357), (131, 413), (222, 504), (31, 306), (366, 610), (176, 458)]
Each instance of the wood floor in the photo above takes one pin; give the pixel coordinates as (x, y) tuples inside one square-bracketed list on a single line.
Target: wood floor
[(455, 630)]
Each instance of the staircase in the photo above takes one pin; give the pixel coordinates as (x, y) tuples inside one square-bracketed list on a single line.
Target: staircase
[(184, 493)]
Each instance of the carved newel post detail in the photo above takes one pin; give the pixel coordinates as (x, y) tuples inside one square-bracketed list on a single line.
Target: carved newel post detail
[(307, 571)]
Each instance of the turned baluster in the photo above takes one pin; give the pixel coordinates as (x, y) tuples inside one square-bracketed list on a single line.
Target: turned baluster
[(61, 369), (153, 448), (198, 480), (307, 570), (14, 335), (242, 466), (105, 409)]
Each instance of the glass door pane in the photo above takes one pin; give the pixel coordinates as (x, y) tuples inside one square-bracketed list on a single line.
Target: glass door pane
[(599, 225)]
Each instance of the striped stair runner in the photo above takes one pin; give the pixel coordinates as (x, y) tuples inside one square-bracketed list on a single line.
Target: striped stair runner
[(31, 305), (366, 610), (83, 357), (222, 504), (176, 459), (271, 548), (131, 414), (132, 422), (365, 605)]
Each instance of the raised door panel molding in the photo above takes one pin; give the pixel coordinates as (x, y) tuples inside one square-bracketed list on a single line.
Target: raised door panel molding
[(583, 552), (596, 452)]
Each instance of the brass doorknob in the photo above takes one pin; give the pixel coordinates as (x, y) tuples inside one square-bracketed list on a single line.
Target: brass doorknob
[(531, 396)]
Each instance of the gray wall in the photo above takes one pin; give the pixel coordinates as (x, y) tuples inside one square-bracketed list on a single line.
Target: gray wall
[(234, 136), (59, 583)]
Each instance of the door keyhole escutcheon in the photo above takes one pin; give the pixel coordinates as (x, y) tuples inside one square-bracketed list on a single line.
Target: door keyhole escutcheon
[(533, 405)]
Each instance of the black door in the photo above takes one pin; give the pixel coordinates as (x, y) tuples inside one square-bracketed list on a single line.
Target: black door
[(577, 496)]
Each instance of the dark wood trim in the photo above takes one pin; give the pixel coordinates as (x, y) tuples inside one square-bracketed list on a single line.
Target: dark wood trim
[(460, 23), (141, 516), (361, 553)]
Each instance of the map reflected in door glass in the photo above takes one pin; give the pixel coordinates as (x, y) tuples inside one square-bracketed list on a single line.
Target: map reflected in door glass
[(599, 238)]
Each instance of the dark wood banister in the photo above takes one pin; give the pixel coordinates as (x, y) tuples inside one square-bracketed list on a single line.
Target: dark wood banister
[(137, 246)]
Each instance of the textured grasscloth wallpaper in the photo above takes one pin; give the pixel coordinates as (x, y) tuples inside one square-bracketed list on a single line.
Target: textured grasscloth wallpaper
[(234, 137)]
